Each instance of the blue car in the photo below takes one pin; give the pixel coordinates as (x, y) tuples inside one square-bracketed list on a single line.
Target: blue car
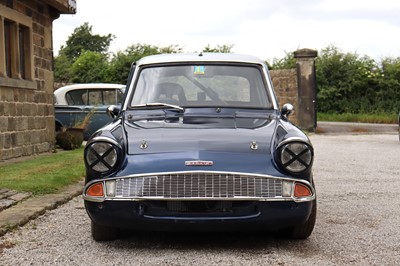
[(85, 105), (200, 144)]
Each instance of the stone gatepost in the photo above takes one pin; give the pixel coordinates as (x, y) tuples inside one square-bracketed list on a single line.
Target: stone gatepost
[(307, 89)]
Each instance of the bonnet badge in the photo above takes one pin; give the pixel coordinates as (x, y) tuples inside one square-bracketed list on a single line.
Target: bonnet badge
[(199, 163)]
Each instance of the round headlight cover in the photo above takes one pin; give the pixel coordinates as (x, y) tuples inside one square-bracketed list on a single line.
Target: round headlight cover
[(101, 156), (296, 157)]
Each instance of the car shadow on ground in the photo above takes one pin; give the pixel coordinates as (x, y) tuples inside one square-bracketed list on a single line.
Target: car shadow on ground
[(206, 240)]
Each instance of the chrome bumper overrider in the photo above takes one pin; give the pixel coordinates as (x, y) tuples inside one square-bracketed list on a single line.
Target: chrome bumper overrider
[(199, 185)]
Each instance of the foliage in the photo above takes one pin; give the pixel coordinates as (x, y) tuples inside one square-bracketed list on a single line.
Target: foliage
[(359, 118), (349, 83), (43, 174), (89, 67), (287, 62), (62, 71), (121, 62), (82, 39), (391, 68), (225, 48), (84, 123)]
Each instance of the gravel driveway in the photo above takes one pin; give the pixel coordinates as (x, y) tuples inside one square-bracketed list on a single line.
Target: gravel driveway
[(358, 221)]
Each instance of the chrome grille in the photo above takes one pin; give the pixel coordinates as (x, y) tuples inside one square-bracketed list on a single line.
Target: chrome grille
[(199, 185)]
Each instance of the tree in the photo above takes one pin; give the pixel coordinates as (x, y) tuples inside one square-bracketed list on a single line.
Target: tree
[(225, 48), (121, 61), (79, 42), (82, 39), (62, 71), (89, 67), (391, 68), (350, 83), (286, 62)]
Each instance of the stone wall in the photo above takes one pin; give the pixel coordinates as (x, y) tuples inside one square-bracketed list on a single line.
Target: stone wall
[(26, 105), (298, 87), (285, 85)]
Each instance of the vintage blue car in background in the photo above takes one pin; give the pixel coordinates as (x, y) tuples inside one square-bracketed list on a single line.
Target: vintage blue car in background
[(200, 144), (74, 103)]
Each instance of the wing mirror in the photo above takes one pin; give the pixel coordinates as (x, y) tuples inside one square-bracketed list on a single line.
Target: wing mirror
[(287, 110), (113, 111)]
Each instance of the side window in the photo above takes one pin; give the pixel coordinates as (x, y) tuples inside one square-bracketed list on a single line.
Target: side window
[(109, 97), (76, 97), (120, 97), (95, 97)]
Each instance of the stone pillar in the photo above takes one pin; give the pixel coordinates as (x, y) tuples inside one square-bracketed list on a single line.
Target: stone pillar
[(307, 89)]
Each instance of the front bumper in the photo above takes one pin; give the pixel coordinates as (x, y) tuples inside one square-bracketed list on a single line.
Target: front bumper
[(247, 216)]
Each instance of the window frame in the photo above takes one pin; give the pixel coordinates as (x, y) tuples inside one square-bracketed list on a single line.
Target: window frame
[(213, 104), (16, 49)]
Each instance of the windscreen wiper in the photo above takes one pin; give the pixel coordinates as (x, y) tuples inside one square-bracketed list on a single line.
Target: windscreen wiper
[(159, 105)]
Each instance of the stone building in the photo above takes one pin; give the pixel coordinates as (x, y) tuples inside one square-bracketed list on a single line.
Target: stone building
[(26, 75)]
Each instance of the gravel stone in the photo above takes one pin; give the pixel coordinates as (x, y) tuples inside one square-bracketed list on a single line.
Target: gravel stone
[(357, 179)]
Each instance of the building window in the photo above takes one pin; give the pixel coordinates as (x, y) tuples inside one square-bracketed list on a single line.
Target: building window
[(16, 52), (10, 3), (7, 46), (24, 51)]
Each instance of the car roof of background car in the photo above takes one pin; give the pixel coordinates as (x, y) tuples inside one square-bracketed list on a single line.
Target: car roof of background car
[(199, 57), (60, 92)]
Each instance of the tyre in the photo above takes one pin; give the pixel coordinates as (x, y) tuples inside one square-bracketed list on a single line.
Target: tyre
[(302, 231), (103, 233)]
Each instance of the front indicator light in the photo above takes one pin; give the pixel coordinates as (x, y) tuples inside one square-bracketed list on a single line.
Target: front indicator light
[(287, 187), (301, 190), (95, 190), (110, 188)]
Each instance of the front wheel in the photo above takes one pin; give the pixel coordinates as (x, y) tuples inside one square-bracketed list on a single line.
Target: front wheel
[(103, 233), (304, 230)]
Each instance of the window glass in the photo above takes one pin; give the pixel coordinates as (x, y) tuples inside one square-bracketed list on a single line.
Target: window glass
[(7, 46), (76, 97), (203, 85), (23, 39), (17, 62), (120, 97), (109, 97), (95, 97)]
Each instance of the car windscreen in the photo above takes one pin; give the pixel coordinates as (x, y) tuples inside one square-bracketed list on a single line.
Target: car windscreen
[(202, 85)]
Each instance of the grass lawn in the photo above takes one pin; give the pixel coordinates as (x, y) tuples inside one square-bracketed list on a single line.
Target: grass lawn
[(361, 118), (43, 174)]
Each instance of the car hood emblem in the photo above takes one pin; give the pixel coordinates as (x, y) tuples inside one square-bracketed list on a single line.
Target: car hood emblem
[(199, 163)]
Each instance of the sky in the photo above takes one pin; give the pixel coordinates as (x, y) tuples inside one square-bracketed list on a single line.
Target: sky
[(265, 28)]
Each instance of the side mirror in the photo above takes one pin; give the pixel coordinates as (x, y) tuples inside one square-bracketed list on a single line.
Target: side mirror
[(113, 111), (287, 110)]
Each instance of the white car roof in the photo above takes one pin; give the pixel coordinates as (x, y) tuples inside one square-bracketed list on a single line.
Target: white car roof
[(199, 57), (60, 92), (205, 58)]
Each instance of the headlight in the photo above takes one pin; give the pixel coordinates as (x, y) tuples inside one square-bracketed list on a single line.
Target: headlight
[(101, 156), (295, 157)]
